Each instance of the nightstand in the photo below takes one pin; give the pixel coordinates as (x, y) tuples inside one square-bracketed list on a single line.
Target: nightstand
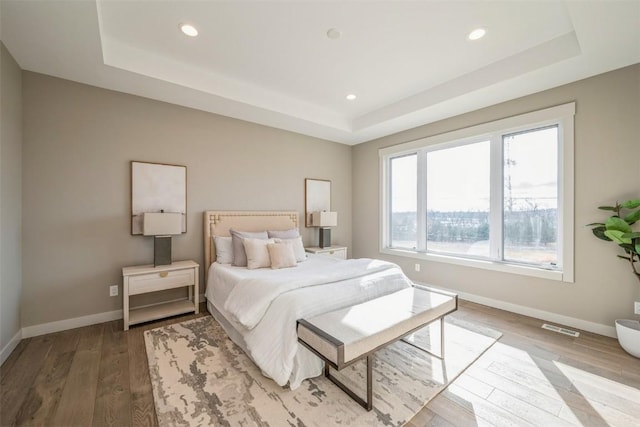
[(332, 251), (143, 279)]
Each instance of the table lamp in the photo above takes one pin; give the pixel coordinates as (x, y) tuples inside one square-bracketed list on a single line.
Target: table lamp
[(324, 220), (161, 225)]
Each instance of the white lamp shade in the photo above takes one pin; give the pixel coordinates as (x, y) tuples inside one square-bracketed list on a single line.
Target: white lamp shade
[(161, 223), (324, 219)]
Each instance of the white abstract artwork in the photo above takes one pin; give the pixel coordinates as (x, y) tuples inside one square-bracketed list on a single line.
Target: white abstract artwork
[(317, 197), (157, 187)]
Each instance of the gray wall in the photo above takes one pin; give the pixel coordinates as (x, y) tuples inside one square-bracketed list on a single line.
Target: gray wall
[(78, 142), (607, 160), (10, 196)]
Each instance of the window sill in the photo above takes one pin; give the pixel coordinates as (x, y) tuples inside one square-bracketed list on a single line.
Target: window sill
[(483, 264)]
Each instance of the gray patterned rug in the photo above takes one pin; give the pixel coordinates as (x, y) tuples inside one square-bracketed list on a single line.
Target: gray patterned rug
[(201, 378)]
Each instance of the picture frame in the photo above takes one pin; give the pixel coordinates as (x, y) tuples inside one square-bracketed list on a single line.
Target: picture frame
[(157, 187), (317, 197)]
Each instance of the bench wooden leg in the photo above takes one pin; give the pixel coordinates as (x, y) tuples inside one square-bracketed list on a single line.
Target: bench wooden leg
[(368, 405)]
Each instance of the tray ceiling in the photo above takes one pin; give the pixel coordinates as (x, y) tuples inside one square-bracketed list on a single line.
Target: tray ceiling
[(273, 63)]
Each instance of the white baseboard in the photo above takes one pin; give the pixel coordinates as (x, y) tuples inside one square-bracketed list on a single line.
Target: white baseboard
[(11, 345), (585, 325), (76, 322), (62, 325)]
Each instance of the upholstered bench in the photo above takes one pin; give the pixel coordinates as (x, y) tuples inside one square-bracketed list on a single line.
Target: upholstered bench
[(342, 337)]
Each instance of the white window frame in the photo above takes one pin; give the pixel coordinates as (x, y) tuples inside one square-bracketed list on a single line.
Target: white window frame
[(561, 115)]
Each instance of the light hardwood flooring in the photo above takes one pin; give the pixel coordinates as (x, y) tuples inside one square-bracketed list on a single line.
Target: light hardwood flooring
[(98, 375)]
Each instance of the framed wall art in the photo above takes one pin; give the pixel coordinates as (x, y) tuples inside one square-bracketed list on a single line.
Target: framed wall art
[(157, 187), (317, 197)]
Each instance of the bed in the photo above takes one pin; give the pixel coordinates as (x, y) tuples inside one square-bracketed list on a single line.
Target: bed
[(259, 308)]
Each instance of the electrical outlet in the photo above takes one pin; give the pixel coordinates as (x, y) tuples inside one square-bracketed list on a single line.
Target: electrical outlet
[(636, 307), (417, 267), (113, 290)]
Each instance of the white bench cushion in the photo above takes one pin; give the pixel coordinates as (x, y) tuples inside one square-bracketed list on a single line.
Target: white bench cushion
[(366, 326)]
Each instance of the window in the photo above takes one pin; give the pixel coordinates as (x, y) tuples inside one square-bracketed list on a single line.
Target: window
[(404, 219), (497, 196), (458, 199), (530, 208)]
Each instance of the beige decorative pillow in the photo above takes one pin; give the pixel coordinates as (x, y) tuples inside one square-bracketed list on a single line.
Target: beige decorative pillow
[(257, 253), (282, 255), (298, 247)]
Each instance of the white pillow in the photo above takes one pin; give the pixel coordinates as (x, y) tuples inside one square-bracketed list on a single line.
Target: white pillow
[(257, 253), (298, 247), (281, 255), (224, 249)]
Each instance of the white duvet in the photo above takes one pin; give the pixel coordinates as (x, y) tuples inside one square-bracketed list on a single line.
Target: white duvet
[(267, 303)]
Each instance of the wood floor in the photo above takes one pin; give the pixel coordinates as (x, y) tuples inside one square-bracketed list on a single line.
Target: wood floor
[(98, 375)]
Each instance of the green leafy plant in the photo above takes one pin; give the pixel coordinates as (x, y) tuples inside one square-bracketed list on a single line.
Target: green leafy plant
[(617, 229)]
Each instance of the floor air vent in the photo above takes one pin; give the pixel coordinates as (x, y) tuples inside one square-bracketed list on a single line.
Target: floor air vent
[(560, 330)]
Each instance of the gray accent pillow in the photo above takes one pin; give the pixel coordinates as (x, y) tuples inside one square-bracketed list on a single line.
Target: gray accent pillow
[(237, 241), (292, 233)]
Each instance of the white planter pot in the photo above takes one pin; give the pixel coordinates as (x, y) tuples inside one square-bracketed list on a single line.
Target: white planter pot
[(629, 336)]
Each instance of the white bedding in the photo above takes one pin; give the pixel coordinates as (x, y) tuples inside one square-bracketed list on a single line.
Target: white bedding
[(264, 304)]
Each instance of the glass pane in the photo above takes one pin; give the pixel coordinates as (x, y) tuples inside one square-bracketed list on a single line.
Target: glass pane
[(458, 183), (531, 196), (404, 191)]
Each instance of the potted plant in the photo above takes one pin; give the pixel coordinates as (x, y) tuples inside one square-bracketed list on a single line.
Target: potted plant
[(617, 229)]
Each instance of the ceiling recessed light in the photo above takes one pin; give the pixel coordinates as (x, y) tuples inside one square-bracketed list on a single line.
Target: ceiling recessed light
[(189, 30), (351, 97), (476, 34), (334, 33)]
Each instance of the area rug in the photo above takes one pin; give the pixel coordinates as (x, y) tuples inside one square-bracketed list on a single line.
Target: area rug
[(201, 378)]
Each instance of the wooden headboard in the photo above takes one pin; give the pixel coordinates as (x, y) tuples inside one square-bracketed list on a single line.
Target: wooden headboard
[(218, 223)]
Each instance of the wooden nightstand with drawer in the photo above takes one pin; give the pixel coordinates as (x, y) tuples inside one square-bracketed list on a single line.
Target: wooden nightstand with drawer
[(143, 279), (332, 251)]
